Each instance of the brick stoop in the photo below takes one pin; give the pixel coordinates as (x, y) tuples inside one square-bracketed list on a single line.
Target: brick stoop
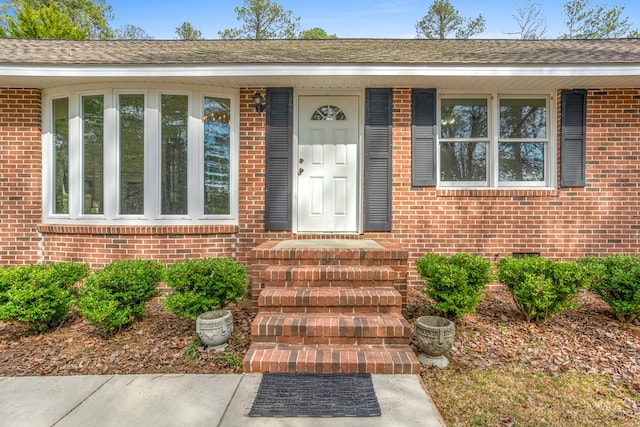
[(335, 308)]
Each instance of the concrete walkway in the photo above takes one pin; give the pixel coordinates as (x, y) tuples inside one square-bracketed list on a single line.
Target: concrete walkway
[(185, 400)]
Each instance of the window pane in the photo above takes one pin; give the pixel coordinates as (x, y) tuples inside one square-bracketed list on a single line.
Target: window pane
[(61, 155), (521, 161), (131, 115), (463, 161), (217, 155), (328, 112), (174, 131), (92, 154), (523, 118), (464, 118)]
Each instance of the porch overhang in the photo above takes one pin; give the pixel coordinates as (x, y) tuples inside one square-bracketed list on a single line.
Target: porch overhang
[(444, 77)]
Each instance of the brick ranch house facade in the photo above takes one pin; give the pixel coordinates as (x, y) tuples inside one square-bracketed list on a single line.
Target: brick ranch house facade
[(156, 149), (407, 188)]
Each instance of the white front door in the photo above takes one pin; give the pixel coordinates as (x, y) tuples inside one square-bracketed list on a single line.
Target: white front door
[(327, 163)]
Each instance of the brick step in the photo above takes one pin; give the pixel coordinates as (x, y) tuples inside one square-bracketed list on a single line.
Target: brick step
[(330, 300), (330, 329), (329, 305), (375, 254), (330, 276), (374, 359)]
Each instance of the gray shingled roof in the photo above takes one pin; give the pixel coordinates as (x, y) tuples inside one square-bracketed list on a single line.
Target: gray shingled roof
[(338, 51)]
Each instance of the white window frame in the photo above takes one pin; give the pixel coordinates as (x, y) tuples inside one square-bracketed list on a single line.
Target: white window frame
[(493, 116), (152, 157)]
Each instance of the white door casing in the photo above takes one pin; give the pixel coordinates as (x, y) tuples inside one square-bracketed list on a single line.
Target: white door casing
[(327, 167)]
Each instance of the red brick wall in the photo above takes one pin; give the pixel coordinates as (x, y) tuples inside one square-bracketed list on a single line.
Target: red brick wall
[(603, 217), (565, 223), (20, 175), (100, 245)]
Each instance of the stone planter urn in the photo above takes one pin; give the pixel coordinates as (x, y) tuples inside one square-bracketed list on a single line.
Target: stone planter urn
[(435, 337), (214, 328)]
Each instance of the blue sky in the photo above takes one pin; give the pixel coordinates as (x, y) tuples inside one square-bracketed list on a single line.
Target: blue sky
[(345, 18)]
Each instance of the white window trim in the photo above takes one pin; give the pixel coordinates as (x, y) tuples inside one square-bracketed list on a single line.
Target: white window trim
[(152, 193), (493, 183)]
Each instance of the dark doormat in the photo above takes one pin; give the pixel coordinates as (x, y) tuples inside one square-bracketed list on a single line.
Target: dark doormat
[(315, 395)]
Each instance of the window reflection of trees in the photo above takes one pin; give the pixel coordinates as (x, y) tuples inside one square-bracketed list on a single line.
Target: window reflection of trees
[(521, 161), (93, 154), (217, 155), (131, 113), (174, 166), (524, 121), (464, 160), (61, 155)]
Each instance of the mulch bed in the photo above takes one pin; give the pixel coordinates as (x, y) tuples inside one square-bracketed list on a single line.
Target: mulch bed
[(156, 344), (588, 340)]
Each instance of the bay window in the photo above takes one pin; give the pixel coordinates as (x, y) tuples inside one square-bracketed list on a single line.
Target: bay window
[(139, 157), (494, 141)]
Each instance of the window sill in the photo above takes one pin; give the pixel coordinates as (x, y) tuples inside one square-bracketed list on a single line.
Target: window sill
[(136, 229), (497, 192)]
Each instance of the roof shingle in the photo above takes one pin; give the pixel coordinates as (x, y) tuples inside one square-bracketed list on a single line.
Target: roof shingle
[(331, 52)]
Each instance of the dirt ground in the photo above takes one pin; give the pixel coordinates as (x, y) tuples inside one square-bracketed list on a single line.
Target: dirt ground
[(588, 340)]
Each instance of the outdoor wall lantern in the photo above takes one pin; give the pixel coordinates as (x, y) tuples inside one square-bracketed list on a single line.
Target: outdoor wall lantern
[(258, 101)]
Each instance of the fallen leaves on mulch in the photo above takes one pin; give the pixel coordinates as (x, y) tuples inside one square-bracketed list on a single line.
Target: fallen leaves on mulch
[(588, 340), (156, 344)]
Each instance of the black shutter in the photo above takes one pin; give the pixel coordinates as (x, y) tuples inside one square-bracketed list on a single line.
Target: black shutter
[(423, 137), (377, 179), (279, 137), (574, 138)]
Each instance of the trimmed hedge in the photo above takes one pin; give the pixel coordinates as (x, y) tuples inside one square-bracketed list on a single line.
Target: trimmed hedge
[(202, 285), (540, 287), (616, 280), (39, 295), (455, 283), (114, 297)]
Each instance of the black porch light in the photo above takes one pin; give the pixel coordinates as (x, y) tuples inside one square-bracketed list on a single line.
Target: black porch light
[(258, 101)]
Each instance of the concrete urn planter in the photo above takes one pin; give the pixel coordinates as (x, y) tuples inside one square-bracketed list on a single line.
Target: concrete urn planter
[(214, 328), (435, 337)]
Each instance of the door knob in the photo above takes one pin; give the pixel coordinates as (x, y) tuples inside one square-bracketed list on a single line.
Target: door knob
[(300, 171)]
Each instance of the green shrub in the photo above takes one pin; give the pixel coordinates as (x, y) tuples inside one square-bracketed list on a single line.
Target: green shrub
[(202, 285), (616, 280), (114, 297), (39, 295), (4, 286), (540, 287), (455, 283)]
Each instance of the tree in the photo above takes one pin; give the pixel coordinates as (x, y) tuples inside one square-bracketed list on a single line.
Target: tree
[(316, 33), (596, 23), (92, 16), (532, 24), (131, 32), (443, 21), (262, 19), (186, 31), (45, 22)]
